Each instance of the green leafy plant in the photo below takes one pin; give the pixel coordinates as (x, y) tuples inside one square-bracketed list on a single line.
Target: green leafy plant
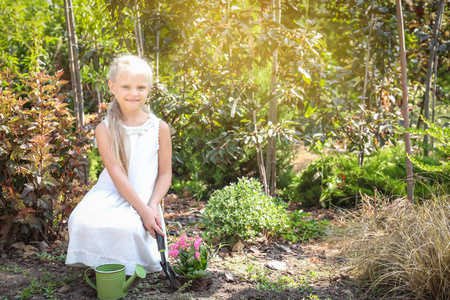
[(42, 159), (302, 227), (241, 210), (191, 257), (337, 179), (442, 136)]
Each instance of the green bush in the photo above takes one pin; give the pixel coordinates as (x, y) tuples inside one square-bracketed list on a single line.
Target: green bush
[(42, 161), (241, 210), (337, 179)]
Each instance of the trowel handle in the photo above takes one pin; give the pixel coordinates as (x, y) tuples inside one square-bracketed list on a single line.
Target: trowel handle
[(160, 241)]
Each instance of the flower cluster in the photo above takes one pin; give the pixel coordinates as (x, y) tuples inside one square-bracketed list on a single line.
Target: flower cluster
[(191, 256)]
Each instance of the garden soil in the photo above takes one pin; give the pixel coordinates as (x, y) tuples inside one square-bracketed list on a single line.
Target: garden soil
[(262, 269)]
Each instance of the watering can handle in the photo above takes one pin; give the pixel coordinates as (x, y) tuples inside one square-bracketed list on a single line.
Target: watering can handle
[(87, 278)]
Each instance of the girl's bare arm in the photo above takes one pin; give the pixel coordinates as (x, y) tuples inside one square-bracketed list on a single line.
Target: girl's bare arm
[(164, 179), (149, 216)]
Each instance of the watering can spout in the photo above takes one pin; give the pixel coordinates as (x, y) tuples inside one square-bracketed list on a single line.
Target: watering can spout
[(139, 272)]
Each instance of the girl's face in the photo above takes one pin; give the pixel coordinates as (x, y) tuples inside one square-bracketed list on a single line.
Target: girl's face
[(131, 90)]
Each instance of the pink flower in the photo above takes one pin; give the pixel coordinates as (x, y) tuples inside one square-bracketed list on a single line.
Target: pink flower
[(197, 255), (183, 241), (197, 244), (175, 246), (174, 253)]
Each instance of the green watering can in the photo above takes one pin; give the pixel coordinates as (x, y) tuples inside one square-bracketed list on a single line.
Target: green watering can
[(111, 280)]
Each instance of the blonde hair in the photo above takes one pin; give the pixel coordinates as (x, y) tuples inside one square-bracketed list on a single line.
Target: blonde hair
[(116, 132)]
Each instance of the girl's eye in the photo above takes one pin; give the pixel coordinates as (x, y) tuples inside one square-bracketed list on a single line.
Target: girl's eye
[(142, 87), (125, 86)]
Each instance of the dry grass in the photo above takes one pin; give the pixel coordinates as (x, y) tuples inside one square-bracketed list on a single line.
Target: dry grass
[(403, 249)]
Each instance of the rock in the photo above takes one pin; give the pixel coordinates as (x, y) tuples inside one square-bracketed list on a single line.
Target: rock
[(277, 265), (228, 276), (43, 246), (65, 235), (238, 246), (64, 289), (284, 248)]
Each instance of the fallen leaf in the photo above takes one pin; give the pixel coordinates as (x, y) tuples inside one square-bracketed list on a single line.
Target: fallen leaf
[(29, 248), (18, 245), (64, 289), (28, 253)]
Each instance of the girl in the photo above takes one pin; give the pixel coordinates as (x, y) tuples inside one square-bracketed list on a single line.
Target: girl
[(117, 219)]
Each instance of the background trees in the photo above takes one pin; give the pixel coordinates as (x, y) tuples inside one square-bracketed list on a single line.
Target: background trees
[(334, 85)]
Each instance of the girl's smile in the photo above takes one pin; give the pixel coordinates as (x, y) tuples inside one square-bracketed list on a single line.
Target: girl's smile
[(131, 90)]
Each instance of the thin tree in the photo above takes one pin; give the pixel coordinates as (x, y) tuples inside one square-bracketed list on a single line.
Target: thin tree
[(401, 33), (74, 67), (271, 156), (430, 69), (138, 33)]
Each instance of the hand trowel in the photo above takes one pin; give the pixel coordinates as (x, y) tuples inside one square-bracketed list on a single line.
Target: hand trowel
[(164, 263)]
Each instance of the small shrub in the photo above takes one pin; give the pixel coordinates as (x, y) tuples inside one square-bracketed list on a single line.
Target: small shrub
[(402, 248), (241, 210), (42, 161)]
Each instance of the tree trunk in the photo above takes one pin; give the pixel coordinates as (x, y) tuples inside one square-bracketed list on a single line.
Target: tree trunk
[(366, 74), (401, 32), (157, 51), (431, 59), (138, 33), (74, 68), (433, 103), (271, 158)]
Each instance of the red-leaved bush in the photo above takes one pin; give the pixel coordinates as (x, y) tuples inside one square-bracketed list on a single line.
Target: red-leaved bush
[(42, 158)]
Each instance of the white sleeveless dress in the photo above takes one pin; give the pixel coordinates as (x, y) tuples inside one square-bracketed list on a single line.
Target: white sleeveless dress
[(104, 228)]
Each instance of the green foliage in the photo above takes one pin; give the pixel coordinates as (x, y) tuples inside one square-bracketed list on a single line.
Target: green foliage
[(45, 285), (41, 159), (48, 256), (95, 164), (191, 256), (241, 210), (337, 179), (302, 227), (442, 140), (259, 274), (30, 34)]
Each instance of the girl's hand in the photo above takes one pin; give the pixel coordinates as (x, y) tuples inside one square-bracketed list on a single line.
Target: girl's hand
[(151, 221)]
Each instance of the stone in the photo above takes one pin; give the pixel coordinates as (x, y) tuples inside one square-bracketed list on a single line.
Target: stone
[(228, 276), (277, 265), (284, 248), (238, 246), (43, 246)]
